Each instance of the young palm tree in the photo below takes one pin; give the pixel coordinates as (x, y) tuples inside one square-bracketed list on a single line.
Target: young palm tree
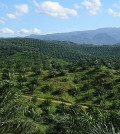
[(12, 112)]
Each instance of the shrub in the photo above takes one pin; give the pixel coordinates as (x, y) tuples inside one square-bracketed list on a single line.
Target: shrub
[(47, 88), (73, 91), (58, 91)]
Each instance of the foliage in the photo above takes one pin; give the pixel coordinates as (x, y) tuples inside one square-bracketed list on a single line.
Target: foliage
[(52, 87)]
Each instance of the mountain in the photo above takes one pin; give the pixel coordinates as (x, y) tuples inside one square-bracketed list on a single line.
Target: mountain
[(102, 36)]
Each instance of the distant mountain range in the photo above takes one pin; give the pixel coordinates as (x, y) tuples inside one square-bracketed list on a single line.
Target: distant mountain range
[(102, 36)]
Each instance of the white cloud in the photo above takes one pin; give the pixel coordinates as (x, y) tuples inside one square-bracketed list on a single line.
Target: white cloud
[(114, 13), (7, 31), (36, 31), (11, 16), (24, 31), (54, 9), (19, 11), (77, 6), (93, 6)]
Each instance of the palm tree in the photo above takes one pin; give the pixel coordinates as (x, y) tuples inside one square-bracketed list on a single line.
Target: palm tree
[(12, 112)]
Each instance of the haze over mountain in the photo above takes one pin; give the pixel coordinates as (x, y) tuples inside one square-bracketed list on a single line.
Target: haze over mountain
[(102, 36)]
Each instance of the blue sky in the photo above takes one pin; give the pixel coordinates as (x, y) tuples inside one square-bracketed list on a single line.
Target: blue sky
[(24, 17)]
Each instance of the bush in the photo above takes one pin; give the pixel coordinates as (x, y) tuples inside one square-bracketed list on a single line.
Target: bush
[(76, 80), (58, 91), (36, 70), (64, 80), (52, 74), (62, 73), (21, 78), (47, 88), (73, 91)]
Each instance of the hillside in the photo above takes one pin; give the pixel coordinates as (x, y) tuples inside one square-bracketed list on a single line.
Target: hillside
[(102, 36), (54, 87), (67, 51)]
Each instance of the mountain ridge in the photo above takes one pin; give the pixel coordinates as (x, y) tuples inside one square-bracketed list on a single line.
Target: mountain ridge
[(105, 36)]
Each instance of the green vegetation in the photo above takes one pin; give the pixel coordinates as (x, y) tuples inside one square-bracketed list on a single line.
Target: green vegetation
[(58, 88)]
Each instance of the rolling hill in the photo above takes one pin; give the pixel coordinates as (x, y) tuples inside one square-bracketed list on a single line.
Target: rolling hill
[(58, 87)]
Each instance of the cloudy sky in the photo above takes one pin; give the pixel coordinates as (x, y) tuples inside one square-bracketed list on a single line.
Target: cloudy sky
[(24, 17)]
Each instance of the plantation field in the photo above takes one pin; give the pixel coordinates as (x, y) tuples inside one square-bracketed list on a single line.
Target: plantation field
[(52, 87)]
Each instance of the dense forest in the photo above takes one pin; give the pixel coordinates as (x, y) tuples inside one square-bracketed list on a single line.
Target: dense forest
[(53, 87)]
